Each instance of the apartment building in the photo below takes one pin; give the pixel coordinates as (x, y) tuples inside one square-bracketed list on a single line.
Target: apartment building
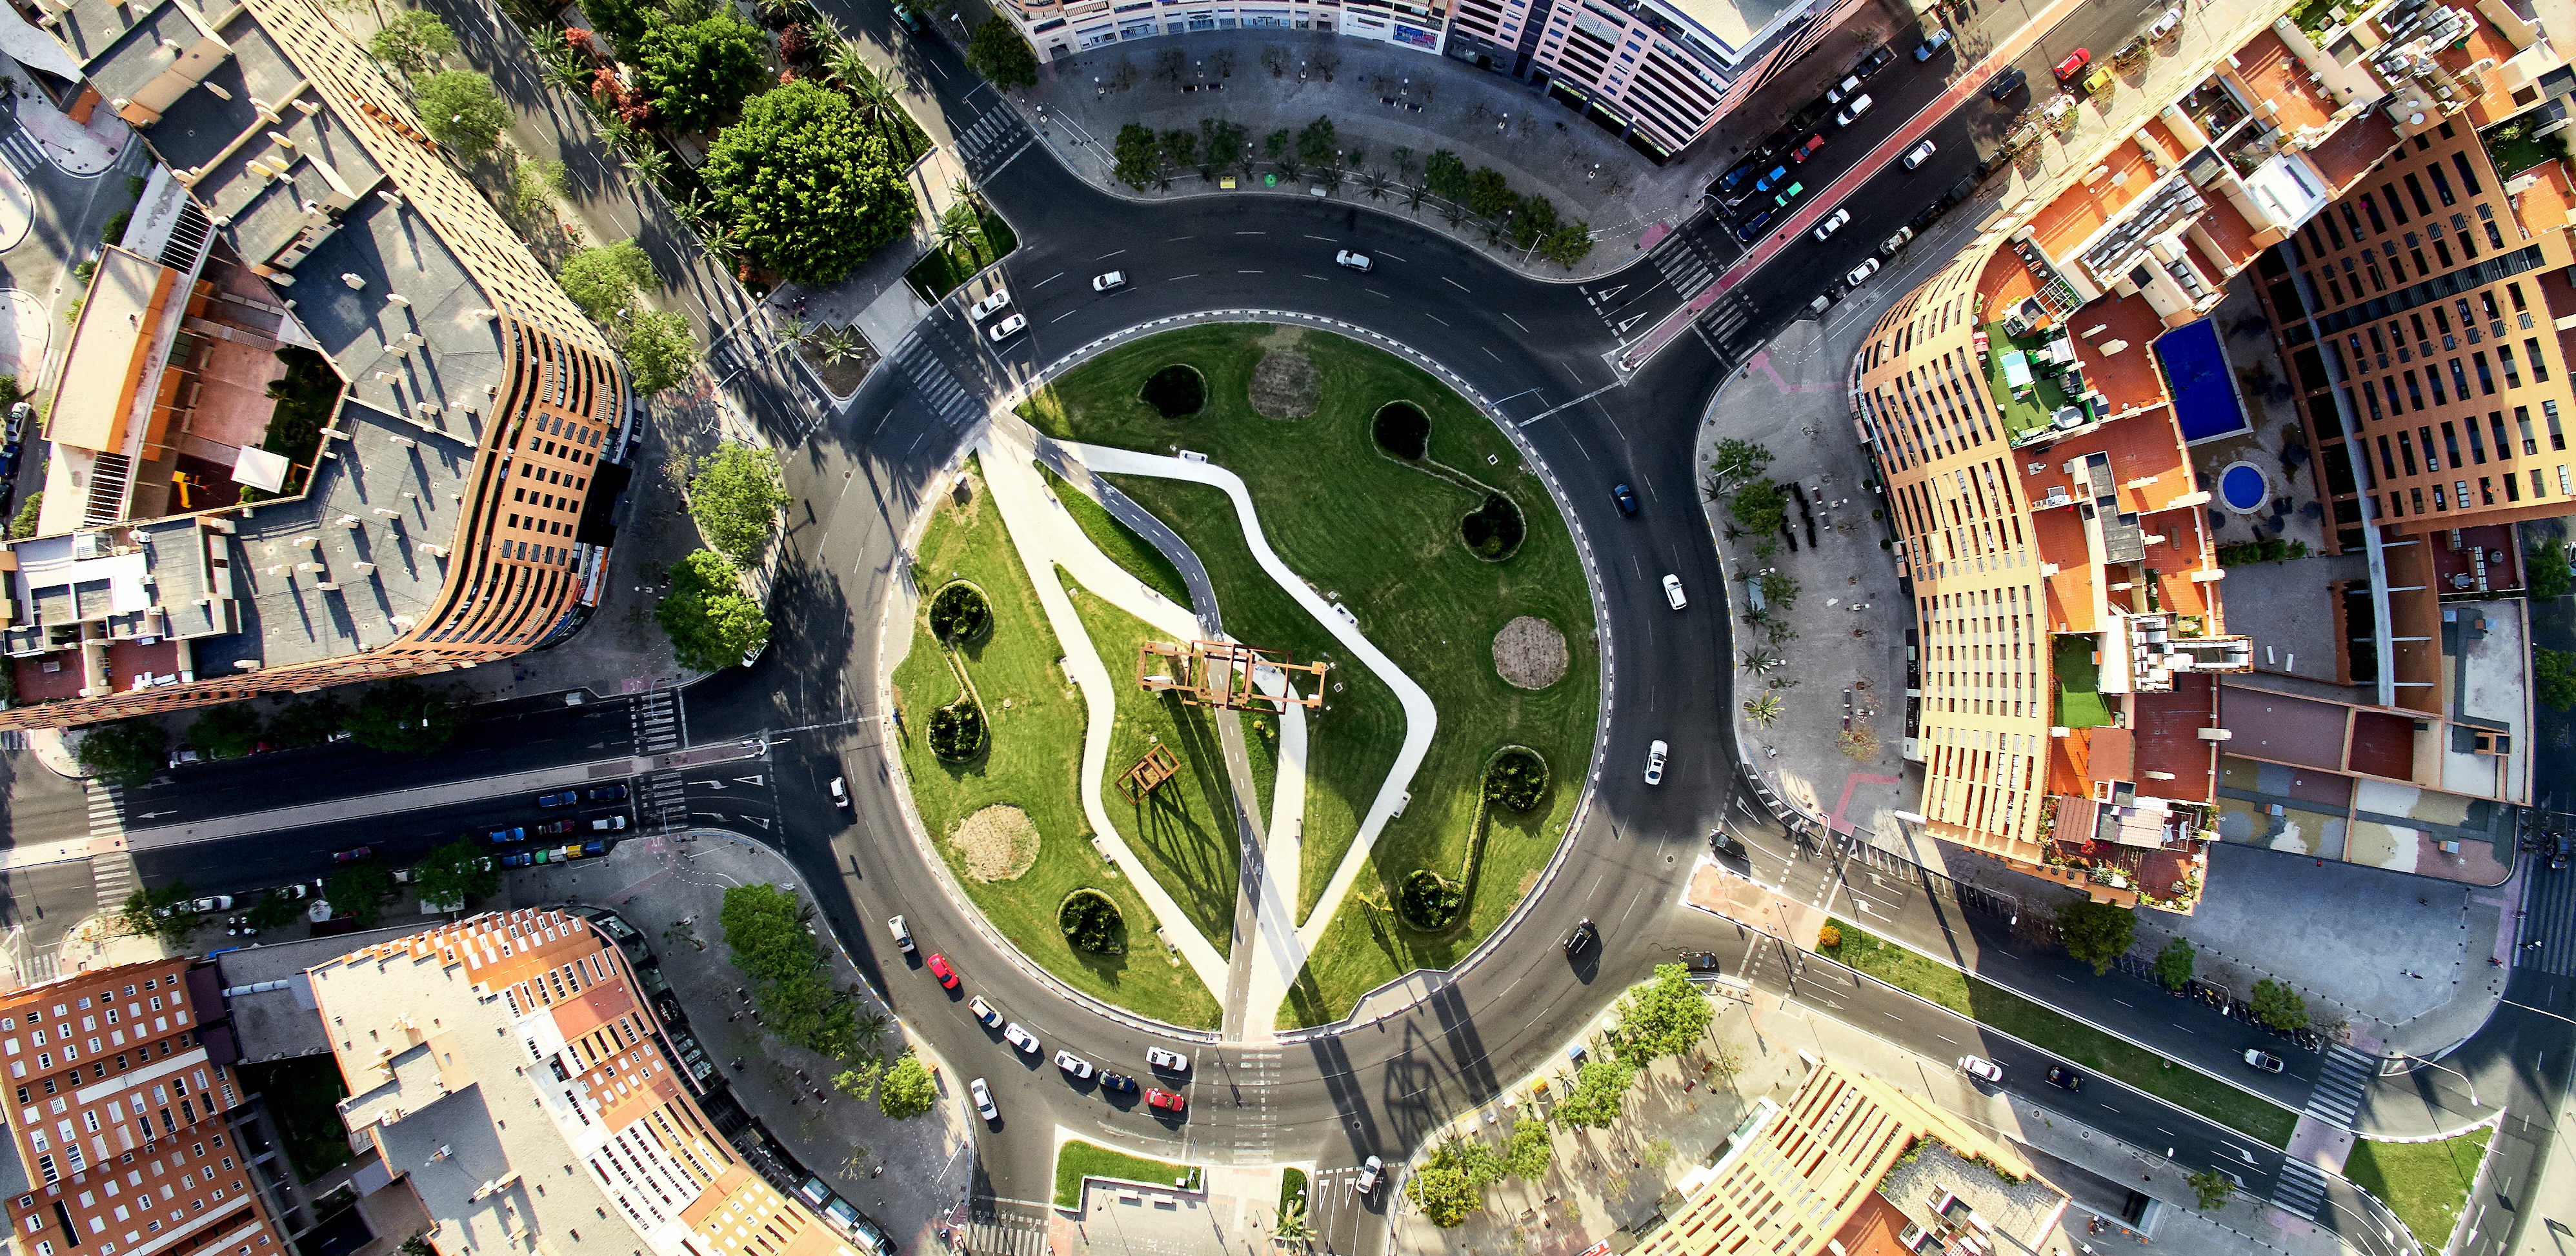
[(1061, 28), (1854, 1166), (451, 1039), (2034, 407), (300, 229), (118, 1139)]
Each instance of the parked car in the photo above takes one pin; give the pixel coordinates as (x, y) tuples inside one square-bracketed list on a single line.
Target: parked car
[(2264, 1060), (1917, 155), (1582, 936), (1833, 222), (184, 755), (2005, 82), (1673, 592), (1876, 61), (984, 1100), (1802, 152), (557, 828), (564, 798), (607, 793), (1626, 497), (212, 902), (2073, 64), (500, 837), (1117, 1081), (1860, 274), (939, 968), (1655, 762), (1725, 843), (2166, 23), (1703, 962), (1753, 226), (518, 859), (1114, 279), (352, 855), (1853, 111), (1167, 1100), (1889, 246), (984, 1012), (607, 824), (1007, 327), (1021, 1038), (1982, 1069), (986, 308), (1940, 39), (1080, 1069), (2065, 1078), (1168, 1061), (1735, 176), (1778, 176), (1842, 91), (1371, 1170), (902, 934), (905, 18), (1356, 261)]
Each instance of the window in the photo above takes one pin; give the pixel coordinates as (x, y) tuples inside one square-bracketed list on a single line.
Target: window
[(2441, 185), (2512, 373), (2512, 489), (2495, 423), (2539, 364), (2477, 448), (2468, 176), (2406, 450), (2549, 414), (2486, 490), (2460, 380), (2522, 419), (2486, 378), (2415, 189)]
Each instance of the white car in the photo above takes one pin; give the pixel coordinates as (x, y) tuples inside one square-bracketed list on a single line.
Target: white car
[(1673, 592), (1833, 222), (984, 309), (1861, 273), (1002, 330), (1842, 91), (1356, 261), (1370, 1170), (1919, 154), (1655, 763), (1073, 1064), (1114, 279), (1171, 1060), (607, 824), (1021, 1038), (2166, 23), (902, 933), (1982, 1069), (219, 902), (1858, 106), (984, 1100)]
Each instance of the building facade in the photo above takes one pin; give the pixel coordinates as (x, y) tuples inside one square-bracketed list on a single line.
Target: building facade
[(455, 510), (118, 1140)]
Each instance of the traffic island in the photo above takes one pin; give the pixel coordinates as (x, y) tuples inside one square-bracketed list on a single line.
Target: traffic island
[(2426, 1184), (1377, 537), (1078, 1163)]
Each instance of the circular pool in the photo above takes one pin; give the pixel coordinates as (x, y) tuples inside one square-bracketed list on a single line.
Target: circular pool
[(2242, 488)]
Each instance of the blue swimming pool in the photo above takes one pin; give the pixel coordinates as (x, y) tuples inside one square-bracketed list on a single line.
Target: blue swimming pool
[(2195, 368), (2242, 487)]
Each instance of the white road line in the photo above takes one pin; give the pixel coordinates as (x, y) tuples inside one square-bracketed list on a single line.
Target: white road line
[(1325, 239), (1436, 318), (1048, 280), (1106, 256), (1169, 278), (1247, 272), (1455, 284)]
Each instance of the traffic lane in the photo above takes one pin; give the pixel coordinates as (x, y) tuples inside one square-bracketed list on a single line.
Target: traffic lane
[(1343, 1219)]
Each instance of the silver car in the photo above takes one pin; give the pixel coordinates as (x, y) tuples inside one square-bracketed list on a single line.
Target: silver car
[(984, 1100)]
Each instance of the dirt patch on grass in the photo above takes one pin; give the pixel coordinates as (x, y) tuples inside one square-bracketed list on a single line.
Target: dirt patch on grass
[(999, 843), (1529, 653), (1286, 385)]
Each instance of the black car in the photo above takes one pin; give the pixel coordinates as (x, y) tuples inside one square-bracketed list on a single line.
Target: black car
[(1736, 175), (2065, 1078), (1581, 937), (1924, 218), (1626, 497), (607, 793), (1753, 226), (1117, 1081), (2005, 82), (1702, 962), (1724, 843)]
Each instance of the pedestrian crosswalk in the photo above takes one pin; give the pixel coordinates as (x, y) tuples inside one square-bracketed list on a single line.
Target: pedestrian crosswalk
[(106, 809), (2301, 1190), (990, 142), (1010, 1236), (657, 722), (13, 739), (2545, 936), (19, 149), (663, 802), (111, 878), (937, 384), (1681, 260), (2340, 1086)]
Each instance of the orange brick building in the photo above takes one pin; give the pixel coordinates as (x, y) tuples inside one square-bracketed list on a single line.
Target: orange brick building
[(118, 1142)]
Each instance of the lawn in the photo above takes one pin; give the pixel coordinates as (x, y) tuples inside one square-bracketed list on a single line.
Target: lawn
[(2079, 695), (2426, 1183), (1184, 830), (1033, 763), (2081, 1045), (1076, 1160), (1434, 609), (303, 1097), (1120, 542), (941, 269)]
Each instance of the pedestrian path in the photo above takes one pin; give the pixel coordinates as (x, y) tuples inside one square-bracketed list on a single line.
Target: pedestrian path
[(2340, 1084)]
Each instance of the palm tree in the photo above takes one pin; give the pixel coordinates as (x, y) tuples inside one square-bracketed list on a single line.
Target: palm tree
[(1332, 177), (843, 64), (1760, 662), (874, 101), (965, 191), (569, 71), (871, 1028), (699, 211), (1292, 1221), (649, 163), (838, 345), (792, 330), (1452, 213), (780, 11), (957, 225), (723, 249), (1288, 169), (1376, 184), (1413, 198), (820, 26), (1763, 710)]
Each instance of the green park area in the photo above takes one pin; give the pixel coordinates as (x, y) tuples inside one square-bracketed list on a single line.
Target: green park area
[(1076, 1160), (1006, 814), (2079, 1044), (2426, 1183), (1419, 518)]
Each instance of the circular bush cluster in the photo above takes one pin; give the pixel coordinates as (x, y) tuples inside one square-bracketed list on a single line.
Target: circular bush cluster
[(959, 613), (957, 732), (1092, 923), (1493, 531), (1402, 429), (1429, 900), (1517, 778), (1176, 392)]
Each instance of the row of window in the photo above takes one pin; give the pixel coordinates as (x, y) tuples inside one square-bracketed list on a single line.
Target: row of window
[(2396, 506)]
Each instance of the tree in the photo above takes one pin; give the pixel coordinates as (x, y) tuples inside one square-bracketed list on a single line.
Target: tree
[(767, 931), (1568, 244), (2545, 575), (735, 498), (1735, 462), (1138, 152), (412, 41), (1662, 1017), (2212, 1187), (999, 53), (2277, 1005), (274, 910), (1316, 142), (623, 21), (1527, 1152), (1445, 175), (402, 717), (699, 73), (2173, 964), (659, 349), (908, 1089), (2554, 672), (307, 721), (1535, 222), (1450, 1184), (225, 732), (360, 889), (164, 914), (711, 621), (603, 278), (806, 187), (127, 752), (460, 109), (2096, 933), (455, 873), (1600, 1087), (958, 226), (534, 188), (1759, 508), (1180, 148), (1489, 195), (859, 1082)]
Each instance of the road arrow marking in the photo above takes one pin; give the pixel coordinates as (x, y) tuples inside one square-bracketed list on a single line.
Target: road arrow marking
[(748, 780)]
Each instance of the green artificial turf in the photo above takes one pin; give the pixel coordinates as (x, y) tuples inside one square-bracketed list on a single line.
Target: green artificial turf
[(1033, 762)]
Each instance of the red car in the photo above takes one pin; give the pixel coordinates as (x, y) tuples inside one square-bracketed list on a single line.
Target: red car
[(2073, 65), (352, 855), (939, 968), (1808, 149), (1167, 1100)]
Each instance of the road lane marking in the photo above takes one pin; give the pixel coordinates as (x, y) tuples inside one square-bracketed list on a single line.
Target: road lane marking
[(1169, 278), (1375, 293), (1048, 280), (1455, 284), (1247, 272), (1436, 318), (1325, 239), (1516, 322), (1106, 256)]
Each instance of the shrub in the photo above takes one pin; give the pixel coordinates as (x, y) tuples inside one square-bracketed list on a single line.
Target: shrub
[(1402, 429), (1829, 938), (2268, 550), (957, 731), (1429, 900), (1517, 779), (1176, 392), (1092, 923), (1493, 530), (960, 613), (1759, 508)]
